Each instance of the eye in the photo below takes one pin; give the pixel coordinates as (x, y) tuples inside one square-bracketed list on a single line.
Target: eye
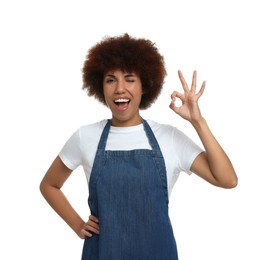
[(109, 80), (130, 80)]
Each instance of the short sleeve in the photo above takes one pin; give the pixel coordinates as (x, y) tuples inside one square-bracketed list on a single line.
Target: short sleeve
[(71, 152), (186, 150)]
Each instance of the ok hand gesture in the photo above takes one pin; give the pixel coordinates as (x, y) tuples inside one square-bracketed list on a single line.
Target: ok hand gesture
[(189, 108)]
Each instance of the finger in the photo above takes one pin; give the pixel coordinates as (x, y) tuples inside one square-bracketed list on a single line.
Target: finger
[(88, 233), (183, 82), (93, 218), (201, 89), (176, 94), (194, 82), (92, 224), (174, 107), (88, 228)]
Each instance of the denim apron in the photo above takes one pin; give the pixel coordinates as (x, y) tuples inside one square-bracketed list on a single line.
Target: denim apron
[(128, 194)]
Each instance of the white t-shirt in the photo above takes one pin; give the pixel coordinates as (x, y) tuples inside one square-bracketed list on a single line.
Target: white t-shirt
[(178, 150)]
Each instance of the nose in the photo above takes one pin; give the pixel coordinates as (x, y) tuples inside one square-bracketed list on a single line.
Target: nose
[(120, 87)]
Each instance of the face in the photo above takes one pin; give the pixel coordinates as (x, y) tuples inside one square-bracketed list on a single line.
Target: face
[(123, 91)]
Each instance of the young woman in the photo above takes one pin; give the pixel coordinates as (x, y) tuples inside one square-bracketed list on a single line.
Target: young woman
[(131, 163)]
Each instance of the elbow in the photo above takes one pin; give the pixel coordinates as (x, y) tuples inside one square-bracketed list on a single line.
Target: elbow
[(42, 187), (229, 180), (235, 183), (47, 188), (232, 183)]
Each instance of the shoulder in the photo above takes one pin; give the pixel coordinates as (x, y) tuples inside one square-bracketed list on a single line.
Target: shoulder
[(90, 133), (160, 129), (92, 129), (93, 126), (170, 134), (85, 133)]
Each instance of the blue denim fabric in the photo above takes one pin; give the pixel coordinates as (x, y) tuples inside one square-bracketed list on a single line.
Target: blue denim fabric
[(128, 193)]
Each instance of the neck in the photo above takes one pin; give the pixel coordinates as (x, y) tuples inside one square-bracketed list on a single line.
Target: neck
[(125, 123)]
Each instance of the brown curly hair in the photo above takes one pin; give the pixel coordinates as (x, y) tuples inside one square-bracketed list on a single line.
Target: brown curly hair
[(129, 55)]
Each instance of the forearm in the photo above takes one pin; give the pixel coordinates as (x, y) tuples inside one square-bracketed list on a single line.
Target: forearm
[(218, 161), (57, 200)]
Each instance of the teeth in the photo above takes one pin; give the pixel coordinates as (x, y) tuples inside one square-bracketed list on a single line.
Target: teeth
[(121, 100)]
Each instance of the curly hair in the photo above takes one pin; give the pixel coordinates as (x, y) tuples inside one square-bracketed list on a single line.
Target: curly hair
[(129, 55)]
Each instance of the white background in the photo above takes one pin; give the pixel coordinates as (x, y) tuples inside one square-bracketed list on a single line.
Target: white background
[(232, 44)]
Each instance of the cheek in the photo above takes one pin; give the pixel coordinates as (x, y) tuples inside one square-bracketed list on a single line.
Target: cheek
[(140, 89), (106, 97), (106, 92), (138, 95)]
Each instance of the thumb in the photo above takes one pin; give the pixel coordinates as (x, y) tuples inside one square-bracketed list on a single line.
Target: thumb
[(174, 107)]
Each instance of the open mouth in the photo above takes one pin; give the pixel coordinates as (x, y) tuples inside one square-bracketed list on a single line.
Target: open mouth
[(122, 103)]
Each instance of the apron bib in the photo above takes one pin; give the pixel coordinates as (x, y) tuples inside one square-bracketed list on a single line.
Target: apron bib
[(128, 194)]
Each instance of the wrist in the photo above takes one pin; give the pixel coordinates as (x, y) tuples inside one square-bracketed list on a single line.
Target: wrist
[(78, 227), (199, 124)]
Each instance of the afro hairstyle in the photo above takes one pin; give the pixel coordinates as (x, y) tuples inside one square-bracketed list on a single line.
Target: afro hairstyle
[(128, 54)]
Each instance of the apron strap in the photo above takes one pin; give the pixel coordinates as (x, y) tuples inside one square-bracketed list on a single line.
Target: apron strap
[(149, 133), (104, 136), (151, 137)]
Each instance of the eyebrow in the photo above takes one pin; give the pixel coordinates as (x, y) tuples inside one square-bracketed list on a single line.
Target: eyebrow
[(126, 75)]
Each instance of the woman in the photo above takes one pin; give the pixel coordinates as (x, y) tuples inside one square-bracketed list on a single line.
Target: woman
[(131, 163)]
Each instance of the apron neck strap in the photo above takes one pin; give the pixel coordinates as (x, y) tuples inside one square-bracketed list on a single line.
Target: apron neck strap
[(149, 133)]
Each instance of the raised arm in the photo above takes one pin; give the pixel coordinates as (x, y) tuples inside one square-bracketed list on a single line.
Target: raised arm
[(213, 165)]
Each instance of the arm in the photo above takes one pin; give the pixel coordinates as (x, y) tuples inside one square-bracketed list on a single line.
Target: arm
[(50, 188), (213, 165)]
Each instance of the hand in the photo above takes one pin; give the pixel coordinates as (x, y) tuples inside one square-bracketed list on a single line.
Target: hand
[(91, 226), (189, 108)]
